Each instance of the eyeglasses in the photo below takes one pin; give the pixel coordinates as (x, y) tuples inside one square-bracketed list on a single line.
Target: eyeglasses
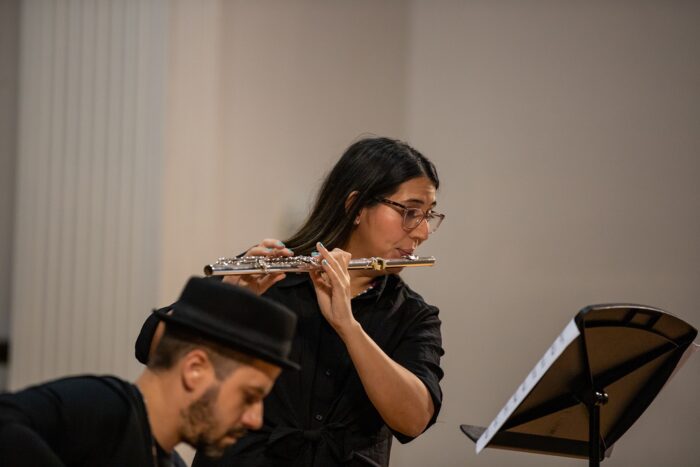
[(412, 217)]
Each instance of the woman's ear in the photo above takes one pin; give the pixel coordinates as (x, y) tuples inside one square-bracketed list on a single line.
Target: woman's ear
[(349, 201)]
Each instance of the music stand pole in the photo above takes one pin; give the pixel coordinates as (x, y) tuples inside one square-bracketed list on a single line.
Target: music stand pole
[(599, 398)]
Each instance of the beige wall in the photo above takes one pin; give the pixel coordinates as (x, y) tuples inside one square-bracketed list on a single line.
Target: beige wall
[(566, 136), (281, 89)]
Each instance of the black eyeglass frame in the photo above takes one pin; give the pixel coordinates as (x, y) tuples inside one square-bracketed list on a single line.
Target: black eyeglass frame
[(424, 215)]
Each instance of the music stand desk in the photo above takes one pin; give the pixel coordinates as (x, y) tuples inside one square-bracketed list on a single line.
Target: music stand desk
[(592, 384)]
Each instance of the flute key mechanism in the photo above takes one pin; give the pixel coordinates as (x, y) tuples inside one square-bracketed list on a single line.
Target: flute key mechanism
[(269, 265)]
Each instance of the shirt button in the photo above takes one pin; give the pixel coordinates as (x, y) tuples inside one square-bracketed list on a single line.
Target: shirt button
[(328, 372), (318, 417)]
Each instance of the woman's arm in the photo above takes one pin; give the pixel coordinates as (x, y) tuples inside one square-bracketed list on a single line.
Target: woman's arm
[(399, 396)]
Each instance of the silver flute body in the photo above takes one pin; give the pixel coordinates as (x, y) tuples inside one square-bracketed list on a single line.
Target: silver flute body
[(270, 265)]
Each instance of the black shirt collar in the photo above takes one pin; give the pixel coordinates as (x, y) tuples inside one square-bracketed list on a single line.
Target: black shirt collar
[(380, 284)]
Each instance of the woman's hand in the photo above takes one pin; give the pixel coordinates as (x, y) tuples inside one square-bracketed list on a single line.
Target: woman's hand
[(259, 283), (332, 284)]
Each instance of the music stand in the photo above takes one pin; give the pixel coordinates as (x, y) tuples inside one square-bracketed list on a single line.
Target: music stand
[(592, 384)]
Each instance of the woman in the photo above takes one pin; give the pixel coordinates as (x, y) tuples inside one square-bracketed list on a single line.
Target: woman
[(369, 346)]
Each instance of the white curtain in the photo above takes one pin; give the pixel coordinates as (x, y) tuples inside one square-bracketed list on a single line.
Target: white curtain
[(90, 158)]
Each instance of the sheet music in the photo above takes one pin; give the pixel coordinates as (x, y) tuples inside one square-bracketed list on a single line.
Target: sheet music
[(567, 336)]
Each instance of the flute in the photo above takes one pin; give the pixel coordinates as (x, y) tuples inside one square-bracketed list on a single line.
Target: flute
[(268, 265)]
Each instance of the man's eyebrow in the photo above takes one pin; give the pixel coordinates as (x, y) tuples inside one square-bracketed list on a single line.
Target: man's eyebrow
[(257, 389)]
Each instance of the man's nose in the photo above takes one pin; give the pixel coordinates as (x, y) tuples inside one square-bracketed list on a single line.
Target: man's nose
[(253, 417)]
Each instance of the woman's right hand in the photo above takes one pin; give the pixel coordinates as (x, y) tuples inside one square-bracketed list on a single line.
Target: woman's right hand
[(259, 283)]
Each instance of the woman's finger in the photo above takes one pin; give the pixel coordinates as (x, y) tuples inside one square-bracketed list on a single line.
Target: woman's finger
[(272, 243), (338, 261), (235, 280), (319, 281), (332, 257), (332, 274), (277, 247), (261, 250), (269, 280)]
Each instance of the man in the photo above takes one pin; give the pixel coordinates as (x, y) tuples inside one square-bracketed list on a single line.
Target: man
[(222, 349)]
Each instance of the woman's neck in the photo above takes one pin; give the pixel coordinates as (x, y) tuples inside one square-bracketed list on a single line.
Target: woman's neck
[(359, 282)]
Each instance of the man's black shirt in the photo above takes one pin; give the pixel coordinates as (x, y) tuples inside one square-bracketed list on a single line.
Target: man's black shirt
[(79, 421)]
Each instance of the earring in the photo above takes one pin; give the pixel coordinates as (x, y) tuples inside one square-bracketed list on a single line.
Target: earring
[(357, 221)]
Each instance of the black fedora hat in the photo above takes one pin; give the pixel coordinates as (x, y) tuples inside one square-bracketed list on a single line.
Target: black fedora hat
[(236, 318)]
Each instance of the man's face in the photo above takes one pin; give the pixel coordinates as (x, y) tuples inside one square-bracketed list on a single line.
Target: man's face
[(228, 408)]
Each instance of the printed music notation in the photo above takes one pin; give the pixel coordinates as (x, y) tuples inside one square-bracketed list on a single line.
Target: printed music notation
[(567, 336)]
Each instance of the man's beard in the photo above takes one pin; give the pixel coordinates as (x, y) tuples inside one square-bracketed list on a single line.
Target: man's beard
[(199, 425)]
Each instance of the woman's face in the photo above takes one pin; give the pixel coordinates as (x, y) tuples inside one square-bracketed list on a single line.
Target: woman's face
[(380, 230)]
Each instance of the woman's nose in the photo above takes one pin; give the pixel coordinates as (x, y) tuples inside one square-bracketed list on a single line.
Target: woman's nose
[(422, 231)]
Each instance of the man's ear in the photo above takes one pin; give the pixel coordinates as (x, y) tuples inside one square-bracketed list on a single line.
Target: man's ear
[(196, 369), (348, 204)]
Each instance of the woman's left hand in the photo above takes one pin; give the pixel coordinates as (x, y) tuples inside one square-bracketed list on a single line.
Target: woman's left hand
[(332, 284)]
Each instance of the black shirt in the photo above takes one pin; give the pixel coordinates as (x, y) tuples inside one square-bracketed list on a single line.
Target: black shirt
[(79, 421), (321, 415)]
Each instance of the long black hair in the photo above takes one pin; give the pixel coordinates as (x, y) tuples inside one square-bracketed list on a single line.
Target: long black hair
[(372, 167)]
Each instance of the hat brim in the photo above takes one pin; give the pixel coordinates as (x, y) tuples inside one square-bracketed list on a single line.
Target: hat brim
[(231, 339)]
